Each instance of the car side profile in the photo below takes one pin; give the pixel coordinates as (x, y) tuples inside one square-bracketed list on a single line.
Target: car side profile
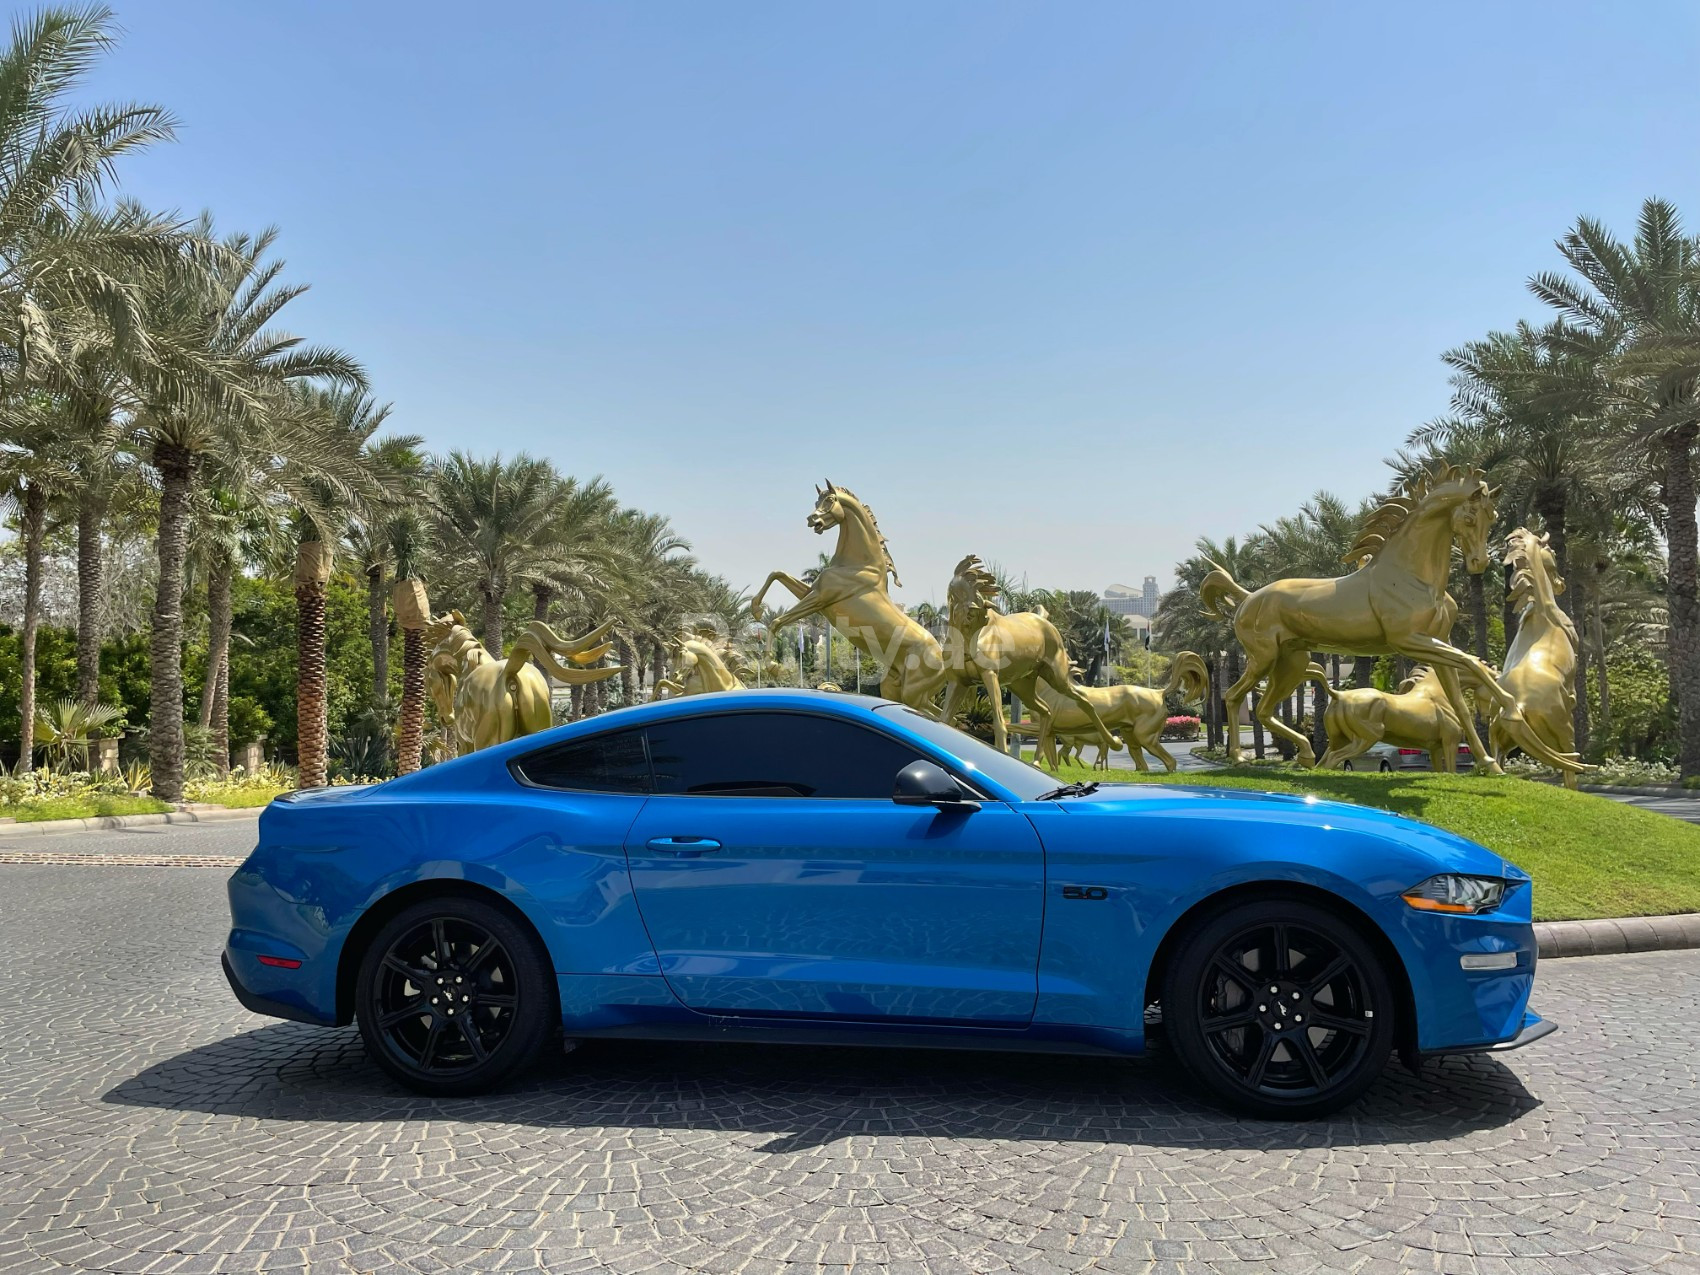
[(792, 866)]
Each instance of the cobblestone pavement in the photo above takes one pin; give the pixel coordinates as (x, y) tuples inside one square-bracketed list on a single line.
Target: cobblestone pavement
[(148, 1123)]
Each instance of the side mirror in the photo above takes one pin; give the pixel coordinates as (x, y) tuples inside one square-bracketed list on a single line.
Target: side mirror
[(921, 783)]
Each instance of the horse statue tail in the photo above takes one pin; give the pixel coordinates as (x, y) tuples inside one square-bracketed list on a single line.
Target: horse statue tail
[(1189, 675), (541, 643), (1217, 589)]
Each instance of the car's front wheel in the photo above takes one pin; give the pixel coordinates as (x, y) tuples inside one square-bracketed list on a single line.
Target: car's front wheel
[(1280, 1008), (454, 996)]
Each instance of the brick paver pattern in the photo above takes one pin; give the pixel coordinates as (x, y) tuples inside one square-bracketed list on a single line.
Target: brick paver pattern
[(148, 1123)]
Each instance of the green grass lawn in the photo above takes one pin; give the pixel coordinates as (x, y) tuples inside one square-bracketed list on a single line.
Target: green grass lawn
[(82, 808), (1589, 855)]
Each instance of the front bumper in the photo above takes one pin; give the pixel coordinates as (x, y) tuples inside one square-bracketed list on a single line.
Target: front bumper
[(1534, 1028)]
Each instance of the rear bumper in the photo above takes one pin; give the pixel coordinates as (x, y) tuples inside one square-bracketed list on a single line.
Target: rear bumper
[(264, 1004), (1534, 1028)]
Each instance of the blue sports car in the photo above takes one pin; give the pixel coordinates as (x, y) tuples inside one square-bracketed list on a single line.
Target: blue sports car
[(798, 866)]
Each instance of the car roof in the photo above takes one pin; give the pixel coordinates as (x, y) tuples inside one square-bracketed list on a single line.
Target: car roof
[(831, 703)]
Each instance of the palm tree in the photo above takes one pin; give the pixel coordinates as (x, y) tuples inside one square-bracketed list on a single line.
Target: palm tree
[(67, 265), (1636, 308), (230, 400), (1182, 624), (1528, 401), (33, 473), (371, 541), (502, 524), (328, 498)]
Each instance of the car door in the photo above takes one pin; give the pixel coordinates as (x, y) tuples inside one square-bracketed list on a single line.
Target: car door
[(776, 876)]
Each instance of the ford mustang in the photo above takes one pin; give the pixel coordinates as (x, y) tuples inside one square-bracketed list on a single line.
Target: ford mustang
[(794, 866)]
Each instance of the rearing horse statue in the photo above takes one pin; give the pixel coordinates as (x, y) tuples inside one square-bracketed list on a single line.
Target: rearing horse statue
[(1394, 603), (1540, 667), (851, 593)]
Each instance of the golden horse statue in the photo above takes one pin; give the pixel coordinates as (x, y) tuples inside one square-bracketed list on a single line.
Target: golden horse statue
[(482, 700), (988, 648), (1394, 603), (698, 668), (1540, 667), (1137, 713), (1418, 715), (851, 592)]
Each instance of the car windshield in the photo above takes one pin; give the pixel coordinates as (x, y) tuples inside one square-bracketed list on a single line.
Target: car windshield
[(976, 756)]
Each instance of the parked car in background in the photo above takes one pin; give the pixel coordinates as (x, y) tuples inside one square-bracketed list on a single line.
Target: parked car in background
[(791, 866), (1387, 757)]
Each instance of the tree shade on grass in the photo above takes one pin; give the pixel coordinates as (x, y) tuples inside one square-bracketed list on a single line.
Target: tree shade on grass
[(1590, 856)]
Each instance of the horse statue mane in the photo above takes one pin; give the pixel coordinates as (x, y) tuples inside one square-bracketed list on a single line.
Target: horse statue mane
[(1528, 554), (982, 581), (885, 548), (1381, 525)]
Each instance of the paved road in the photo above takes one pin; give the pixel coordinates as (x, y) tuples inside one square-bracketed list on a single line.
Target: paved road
[(148, 1123), (1686, 808), (230, 837)]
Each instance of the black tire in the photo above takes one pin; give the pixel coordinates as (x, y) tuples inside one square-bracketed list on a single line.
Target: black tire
[(440, 965), (1346, 765), (1385, 767), (1248, 1046)]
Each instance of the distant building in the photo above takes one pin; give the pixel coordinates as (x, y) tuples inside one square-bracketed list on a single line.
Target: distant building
[(1124, 600)]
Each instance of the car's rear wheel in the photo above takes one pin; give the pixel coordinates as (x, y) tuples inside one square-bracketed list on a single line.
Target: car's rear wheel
[(454, 996), (1280, 1008), (1345, 765), (1386, 766)]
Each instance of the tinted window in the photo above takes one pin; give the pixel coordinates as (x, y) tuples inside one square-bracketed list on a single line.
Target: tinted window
[(607, 763), (976, 756), (775, 755)]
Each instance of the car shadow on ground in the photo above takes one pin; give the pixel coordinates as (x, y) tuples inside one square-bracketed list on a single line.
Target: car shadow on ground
[(806, 1097)]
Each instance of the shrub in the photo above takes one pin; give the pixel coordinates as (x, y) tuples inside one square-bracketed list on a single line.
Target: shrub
[(1183, 727)]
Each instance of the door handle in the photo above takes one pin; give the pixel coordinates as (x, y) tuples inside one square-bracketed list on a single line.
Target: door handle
[(686, 847)]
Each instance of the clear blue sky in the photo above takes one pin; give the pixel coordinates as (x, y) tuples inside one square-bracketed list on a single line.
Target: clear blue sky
[(1064, 285)]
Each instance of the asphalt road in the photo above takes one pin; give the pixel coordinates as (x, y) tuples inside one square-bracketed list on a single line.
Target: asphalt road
[(148, 1123)]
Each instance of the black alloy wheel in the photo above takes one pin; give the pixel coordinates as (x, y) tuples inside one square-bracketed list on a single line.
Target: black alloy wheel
[(454, 996), (1280, 1008)]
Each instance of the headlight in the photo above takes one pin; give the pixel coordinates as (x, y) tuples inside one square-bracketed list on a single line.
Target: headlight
[(1450, 893)]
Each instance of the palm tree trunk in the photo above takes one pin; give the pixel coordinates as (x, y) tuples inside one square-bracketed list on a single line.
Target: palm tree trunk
[(1479, 614), (492, 596), (91, 517), (177, 467), (1602, 675), (577, 693), (1256, 700), (34, 530), (378, 630), (1682, 539), (542, 597), (312, 573), (1578, 595), (410, 734), (628, 671), (215, 698), (1318, 708)]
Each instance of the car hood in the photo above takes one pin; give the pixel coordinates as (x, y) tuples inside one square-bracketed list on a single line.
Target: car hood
[(1461, 854)]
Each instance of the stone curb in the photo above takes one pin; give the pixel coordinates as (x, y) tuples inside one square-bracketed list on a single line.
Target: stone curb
[(1617, 935), (113, 823), (1608, 790)]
